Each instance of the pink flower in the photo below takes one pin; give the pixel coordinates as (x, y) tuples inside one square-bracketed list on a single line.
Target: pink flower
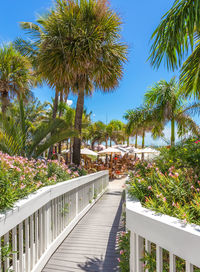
[(119, 260), (164, 199), (192, 187), (22, 177), (22, 186), (185, 221), (149, 187), (176, 174), (121, 252), (39, 184)]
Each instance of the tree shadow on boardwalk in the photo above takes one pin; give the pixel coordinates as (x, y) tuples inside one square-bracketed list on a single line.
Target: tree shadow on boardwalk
[(109, 263)]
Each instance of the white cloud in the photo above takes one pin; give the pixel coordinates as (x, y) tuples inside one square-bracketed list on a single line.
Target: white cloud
[(69, 102)]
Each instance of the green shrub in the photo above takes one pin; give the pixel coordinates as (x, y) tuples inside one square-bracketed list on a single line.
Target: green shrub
[(19, 177), (124, 251)]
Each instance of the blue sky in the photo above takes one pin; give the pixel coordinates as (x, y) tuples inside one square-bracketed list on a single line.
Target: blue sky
[(140, 19)]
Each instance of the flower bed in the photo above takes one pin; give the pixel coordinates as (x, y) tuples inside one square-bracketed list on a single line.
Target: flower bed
[(169, 185), (19, 177)]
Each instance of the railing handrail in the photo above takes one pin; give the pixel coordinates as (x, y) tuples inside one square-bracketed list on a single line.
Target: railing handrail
[(27, 206), (170, 233)]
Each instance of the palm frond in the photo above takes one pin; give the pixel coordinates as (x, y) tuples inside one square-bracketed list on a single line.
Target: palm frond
[(174, 36)]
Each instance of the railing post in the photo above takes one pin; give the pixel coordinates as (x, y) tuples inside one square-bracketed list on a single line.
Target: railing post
[(132, 252), (14, 248), (92, 190), (139, 253), (76, 202), (27, 239), (172, 262), (189, 267), (159, 259)]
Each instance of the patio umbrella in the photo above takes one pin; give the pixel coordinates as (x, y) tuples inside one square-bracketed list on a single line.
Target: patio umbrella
[(65, 151), (88, 152), (110, 151)]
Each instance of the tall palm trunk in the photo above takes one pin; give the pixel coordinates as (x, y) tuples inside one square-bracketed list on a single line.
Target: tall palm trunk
[(128, 141), (60, 114), (55, 109), (172, 132), (110, 142), (4, 102), (78, 126), (136, 139), (143, 136)]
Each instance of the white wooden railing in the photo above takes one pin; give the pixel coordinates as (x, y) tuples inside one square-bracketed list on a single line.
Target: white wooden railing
[(33, 229), (146, 227)]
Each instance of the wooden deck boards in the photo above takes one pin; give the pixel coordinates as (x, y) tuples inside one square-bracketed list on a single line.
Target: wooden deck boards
[(91, 246)]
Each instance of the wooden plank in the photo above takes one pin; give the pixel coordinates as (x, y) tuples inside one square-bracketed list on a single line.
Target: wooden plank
[(92, 243)]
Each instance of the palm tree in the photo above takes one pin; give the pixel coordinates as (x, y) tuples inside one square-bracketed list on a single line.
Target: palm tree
[(142, 120), (18, 137), (132, 127), (115, 131), (15, 75), (79, 47), (168, 104), (176, 35), (97, 133)]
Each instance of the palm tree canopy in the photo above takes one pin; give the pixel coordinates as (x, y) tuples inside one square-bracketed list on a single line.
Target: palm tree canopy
[(168, 104), (176, 35), (16, 76), (165, 96), (77, 42)]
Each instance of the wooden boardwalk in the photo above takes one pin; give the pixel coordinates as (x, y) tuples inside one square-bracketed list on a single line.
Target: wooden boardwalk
[(91, 246)]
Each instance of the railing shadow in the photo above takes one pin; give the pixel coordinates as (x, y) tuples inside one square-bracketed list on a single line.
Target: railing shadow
[(109, 263)]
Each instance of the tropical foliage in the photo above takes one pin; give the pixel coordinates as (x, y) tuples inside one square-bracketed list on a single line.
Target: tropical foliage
[(77, 46), (19, 176), (16, 77), (171, 184), (177, 35), (19, 137), (169, 105)]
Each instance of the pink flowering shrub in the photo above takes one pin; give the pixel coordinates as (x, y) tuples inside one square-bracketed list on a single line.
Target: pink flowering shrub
[(19, 176), (123, 242), (175, 192)]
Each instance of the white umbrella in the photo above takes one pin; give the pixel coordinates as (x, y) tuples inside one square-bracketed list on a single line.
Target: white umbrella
[(150, 150), (88, 152), (65, 151), (110, 151)]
